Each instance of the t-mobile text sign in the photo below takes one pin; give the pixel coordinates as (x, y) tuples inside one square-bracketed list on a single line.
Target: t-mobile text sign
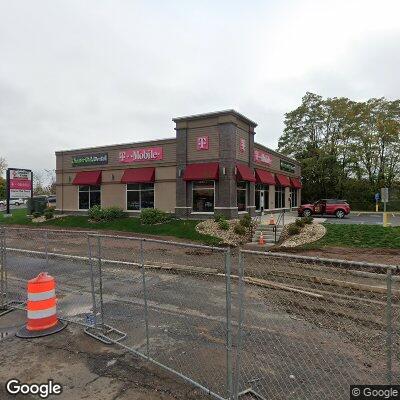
[(262, 157), (20, 183), (141, 155)]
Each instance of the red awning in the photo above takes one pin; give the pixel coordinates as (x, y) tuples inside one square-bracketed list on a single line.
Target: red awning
[(201, 172), (139, 175), (87, 178), (296, 183), (244, 173), (265, 177), (282, 180)]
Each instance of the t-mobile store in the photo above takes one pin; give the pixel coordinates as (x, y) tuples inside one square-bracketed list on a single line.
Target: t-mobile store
[(212, 165)]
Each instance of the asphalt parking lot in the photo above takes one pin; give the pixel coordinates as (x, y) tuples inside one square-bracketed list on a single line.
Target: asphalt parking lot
[(362, 219), (3, 208)]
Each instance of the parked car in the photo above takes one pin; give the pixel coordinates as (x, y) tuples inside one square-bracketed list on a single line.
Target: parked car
[(337, 207), (13, 202), (51, 201)]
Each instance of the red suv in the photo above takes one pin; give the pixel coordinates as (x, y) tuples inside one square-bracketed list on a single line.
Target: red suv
[(340, 208)]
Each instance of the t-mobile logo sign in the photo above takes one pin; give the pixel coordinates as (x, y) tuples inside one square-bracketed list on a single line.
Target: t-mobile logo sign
[(202, 143), (242, 145)]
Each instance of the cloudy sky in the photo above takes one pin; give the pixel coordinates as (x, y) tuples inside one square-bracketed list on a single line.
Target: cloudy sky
[(94, 72)]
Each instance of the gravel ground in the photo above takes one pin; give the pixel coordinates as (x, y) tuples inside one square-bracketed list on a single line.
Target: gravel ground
[(309, 233)]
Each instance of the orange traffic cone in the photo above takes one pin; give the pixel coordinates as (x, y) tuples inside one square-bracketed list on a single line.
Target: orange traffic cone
[(261, 239), (271, 219), (41, 308)]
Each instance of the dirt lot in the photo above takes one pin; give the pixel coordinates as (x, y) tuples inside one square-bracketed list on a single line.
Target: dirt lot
[(380, 256), (84, 367), (310, 328)]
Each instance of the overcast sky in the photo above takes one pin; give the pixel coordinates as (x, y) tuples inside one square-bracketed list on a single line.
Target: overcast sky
[(85, 73)]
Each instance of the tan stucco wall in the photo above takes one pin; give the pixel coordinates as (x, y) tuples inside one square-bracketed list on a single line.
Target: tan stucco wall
[(113, 195), (287, 196), (165, 173), (275, 164), (271, 196), (165, 196), (64, 159), (68, 201)]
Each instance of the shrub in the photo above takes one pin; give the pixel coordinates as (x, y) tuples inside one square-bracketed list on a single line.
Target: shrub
[(36, 214), (300, 222), (239, 229), (111, 213), (308, 220), (152, 216), (48, 215), (223, 224), (219, 217), (293, 229), (246, 221), (95, 213)]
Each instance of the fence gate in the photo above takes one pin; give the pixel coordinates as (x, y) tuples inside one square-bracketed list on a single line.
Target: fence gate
[(309, 328)]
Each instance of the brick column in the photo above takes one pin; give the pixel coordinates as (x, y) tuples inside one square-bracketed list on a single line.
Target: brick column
[(226, 203), (182, 209)]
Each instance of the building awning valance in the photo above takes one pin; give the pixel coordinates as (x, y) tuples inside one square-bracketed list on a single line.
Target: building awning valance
[(139, 175), (282, 180), (201, 172), (296, 183), (265, 177), (87, 178), (244, 173)]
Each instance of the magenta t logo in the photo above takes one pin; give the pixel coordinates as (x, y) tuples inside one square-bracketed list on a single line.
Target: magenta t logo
[(202, 143)]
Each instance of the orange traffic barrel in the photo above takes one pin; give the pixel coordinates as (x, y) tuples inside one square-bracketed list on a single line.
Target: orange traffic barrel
[(41, 308)]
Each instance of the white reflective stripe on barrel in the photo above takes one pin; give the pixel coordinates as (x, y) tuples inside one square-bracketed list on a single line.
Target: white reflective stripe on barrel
[(42, 295), (42, 313)]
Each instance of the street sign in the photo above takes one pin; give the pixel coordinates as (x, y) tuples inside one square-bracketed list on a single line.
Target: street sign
[(385, 195)]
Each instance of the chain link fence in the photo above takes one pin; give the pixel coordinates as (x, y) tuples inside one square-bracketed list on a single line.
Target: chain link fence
[(167, 302), (309, 328), (63, 254), (236, 324)]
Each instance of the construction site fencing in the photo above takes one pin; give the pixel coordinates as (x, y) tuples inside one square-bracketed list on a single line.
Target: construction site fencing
[(167, 302), (236, 324), (60, 253), (311, 327)]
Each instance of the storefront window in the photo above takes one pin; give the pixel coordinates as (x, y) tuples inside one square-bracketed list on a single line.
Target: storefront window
[(262, 197), (139, 196), (293, 197), (241, 195), (279, 197), (203, 196), (89, 196)]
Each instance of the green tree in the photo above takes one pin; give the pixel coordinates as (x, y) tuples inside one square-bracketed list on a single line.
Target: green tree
[(2, 188), (347, 148)]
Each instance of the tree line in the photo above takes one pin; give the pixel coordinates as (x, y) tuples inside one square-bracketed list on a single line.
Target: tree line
[(347, 149)]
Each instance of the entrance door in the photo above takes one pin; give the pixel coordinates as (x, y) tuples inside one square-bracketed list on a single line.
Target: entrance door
[(262, 204)]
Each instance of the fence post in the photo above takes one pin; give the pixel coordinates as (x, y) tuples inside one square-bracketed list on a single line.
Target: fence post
[(100, 280), (46, 244), (229, 380), (2, 251), (146, 316), (240, 324), (94, 308), (389, 327)]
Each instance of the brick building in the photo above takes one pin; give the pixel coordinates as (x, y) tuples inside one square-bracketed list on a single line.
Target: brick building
[(212, 165)]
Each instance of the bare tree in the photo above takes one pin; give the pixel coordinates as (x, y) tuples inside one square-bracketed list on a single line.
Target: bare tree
[(3, 165)]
